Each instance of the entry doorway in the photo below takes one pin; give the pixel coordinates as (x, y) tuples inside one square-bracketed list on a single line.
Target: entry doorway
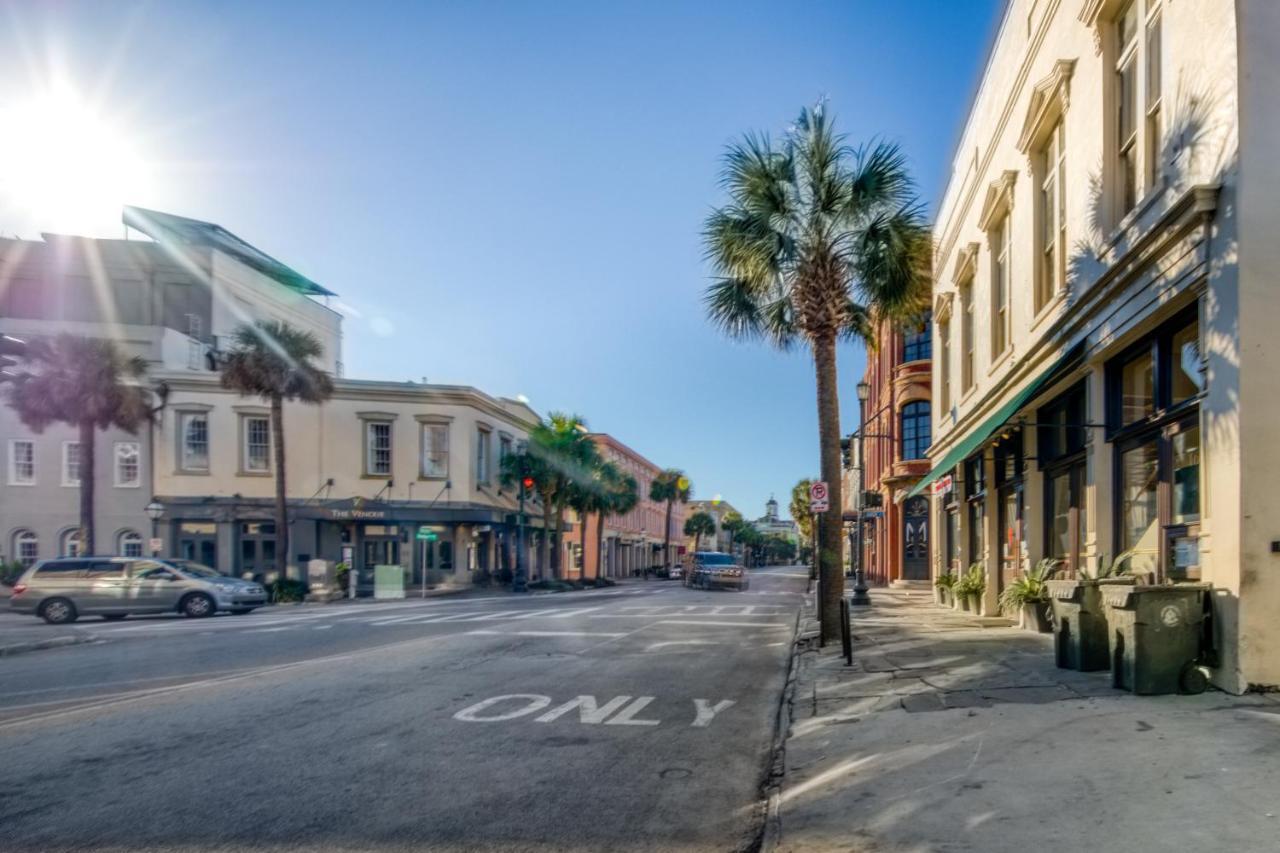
[(380, 547), (257, 549), (915, 539), (198, 541)]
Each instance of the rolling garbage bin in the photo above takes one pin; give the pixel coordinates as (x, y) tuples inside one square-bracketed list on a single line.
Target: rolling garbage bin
[(1155, 637), (1080, 622)]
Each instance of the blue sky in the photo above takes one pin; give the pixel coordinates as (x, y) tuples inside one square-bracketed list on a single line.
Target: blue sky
[(509, 195)]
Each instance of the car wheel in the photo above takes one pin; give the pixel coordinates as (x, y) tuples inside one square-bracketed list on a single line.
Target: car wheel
[(113, 617), (58, 611), (197, 606)]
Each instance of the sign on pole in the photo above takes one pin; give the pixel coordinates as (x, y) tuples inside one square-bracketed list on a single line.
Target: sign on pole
[(426, 534), (819, 499), (156, 545)]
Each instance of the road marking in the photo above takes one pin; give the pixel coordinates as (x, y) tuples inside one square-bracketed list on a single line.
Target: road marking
[(733, 624), (270, 630), (533, 702), (705, 712), (544, 634), (323, 627), (654, 646), (626, 717), (588, 711)]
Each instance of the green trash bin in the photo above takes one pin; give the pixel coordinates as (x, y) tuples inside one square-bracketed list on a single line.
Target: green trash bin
[(1080, 634), (1155, 637)]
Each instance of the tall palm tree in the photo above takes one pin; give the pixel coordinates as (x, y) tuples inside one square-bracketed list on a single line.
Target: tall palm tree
[(87, 383), (623, 498), (272, 360), (816, 243), (521, 464), (608, 491), (669, 486), (732, 524), (698, 525)]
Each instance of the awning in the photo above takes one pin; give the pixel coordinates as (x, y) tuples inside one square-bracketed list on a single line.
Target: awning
[(1066, 363)]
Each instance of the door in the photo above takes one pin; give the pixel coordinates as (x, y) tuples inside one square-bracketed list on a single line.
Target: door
[(1011, 544), (198, 542), (153, 587), (257, 549), (106, 588), (378, 551), (915, 539)]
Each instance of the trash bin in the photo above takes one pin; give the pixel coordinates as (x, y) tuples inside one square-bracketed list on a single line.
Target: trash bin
[(1080, 635), (1155, 637)]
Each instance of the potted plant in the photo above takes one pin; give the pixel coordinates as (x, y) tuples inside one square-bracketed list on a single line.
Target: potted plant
[(1027, 596), (943, 588), (1081, 636), (970, 587)]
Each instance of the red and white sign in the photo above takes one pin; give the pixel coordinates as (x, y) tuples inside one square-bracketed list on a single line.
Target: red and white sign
[(943, 485), (819, 499)]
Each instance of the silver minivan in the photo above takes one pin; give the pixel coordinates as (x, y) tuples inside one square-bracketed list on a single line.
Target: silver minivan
[(64, 589)]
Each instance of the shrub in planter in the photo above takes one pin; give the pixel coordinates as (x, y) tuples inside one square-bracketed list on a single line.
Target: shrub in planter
[(1028, 597), (943, 587), (969, 588), (10, 572), (285, 591)]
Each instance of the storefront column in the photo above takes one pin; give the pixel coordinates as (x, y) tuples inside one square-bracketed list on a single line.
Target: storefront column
[(992, 537), (462, 553), (1033, 501), (1099, 465)]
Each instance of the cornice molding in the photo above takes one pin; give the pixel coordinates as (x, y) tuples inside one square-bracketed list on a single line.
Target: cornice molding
[(966, 263), (942, 306), (1049, 99), (999, 198)]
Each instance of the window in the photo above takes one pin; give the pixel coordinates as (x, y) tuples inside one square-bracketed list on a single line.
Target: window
[(377, 441), (126, 464), (966, 335), (1052, 215), (435, 450), (1060, 427), (505, 447), (918, 342), (26, 548), (482, 455), (1138, 100), (99, 569), (1000, 288), (71, 463), (1163, 372), (1188, 367), (1137, 388), (944, 366), (194, 437), (255, 443), (130, 544), (22, 462), (975, 490), (915, 430), (1060, 434), (70, 544)]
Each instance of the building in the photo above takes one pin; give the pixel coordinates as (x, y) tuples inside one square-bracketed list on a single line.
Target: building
[(371, 474), (770, 524), (1105, 264), (173, 299), (896, 439), (633, 542), (718, 509)]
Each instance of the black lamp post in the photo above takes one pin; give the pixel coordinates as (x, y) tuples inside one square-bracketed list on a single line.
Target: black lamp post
[(154, 510), (860, 596)]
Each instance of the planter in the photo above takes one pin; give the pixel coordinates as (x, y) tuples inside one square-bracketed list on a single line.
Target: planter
[(1155, 637), (1080, 622), (966, 603), (1037, 616)]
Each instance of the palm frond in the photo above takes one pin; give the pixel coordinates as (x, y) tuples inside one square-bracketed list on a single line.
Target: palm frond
[(879, 180), (732, 305)]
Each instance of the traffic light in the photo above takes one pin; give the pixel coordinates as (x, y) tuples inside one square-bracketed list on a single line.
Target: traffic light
[(527, 482), (12, 350), (846, 453), (870, 498)]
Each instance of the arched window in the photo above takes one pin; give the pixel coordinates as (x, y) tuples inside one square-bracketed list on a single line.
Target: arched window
[(71, 543), (26, 547), (130, 544), (915, 430)]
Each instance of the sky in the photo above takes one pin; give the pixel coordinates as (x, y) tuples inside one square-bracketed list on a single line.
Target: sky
[(504, 195)]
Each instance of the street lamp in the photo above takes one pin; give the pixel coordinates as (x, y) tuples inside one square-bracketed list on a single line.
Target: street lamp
[(154, 510), (860, 596)]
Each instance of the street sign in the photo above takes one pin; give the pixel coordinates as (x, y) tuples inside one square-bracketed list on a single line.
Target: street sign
[(817, 491), (426, 534), (819, 506), (156, 545)]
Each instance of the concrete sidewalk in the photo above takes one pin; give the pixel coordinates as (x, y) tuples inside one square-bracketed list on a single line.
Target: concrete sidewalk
[(952, 732)]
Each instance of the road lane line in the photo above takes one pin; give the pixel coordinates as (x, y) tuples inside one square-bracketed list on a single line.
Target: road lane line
[(733, 624), (543, 633)]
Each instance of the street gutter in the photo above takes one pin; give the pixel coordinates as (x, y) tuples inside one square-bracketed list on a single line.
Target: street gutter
[(51, 643)]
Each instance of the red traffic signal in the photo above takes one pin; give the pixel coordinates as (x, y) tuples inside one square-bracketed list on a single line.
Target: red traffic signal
[(527, 482)]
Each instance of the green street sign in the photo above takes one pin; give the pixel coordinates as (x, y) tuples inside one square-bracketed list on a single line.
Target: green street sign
[(426, 534)]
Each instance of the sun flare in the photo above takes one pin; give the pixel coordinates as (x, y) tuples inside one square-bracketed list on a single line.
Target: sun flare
[(65, 166)]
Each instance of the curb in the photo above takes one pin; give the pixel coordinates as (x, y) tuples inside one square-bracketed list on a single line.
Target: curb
[(769, 834), (52, 643)]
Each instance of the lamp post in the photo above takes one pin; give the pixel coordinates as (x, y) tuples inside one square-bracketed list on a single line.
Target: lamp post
[(860, 596), (154, 510)]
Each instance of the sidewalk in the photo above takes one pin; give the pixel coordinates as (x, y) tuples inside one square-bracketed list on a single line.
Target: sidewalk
[(952, 732)]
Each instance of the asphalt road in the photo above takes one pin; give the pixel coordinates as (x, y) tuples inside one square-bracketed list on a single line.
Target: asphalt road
[(638, 717)]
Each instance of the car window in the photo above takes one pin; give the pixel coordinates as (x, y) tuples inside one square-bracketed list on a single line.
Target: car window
[(154, 573), (60, 568), (104, 569), (716, 560)]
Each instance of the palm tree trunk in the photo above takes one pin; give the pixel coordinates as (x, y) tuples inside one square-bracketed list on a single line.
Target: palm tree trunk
[(282, 521), (599, 543), (546, 538), (555, 559), (86, 488), (829, 573), (666, 535)]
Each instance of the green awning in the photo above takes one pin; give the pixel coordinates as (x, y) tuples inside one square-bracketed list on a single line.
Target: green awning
[(974, 439)]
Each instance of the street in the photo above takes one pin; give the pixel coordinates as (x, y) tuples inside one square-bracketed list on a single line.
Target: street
[(636, 717)]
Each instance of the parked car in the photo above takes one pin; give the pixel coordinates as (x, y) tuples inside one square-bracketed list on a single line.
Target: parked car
[(712, 569), (66, 588)]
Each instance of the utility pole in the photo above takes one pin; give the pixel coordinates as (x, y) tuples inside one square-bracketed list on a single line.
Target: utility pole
[(860, 596), (519, 582)]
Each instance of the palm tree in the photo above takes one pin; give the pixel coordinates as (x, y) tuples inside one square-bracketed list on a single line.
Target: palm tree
[(608, 491), (622, 499), (514, 468), (669, 486), (272, 360), (799, 508), (698, 525), (732, 524), (87, 383), (816, 243)]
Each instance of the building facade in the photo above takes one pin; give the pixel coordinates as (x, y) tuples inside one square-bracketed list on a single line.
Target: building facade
[(722, 540), (173, 300), (1105, 265), (633, 542), (896, 438)]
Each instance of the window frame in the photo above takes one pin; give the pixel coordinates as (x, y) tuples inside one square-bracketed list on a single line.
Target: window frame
[(367, 429), (65, 539), (184, 418), (1135, 150), (129, 536), (21, 536), (246, 421), (483, 457), (944, 365), (116, 463), (1051, 233), (68, 481), (968, 346), (917, 416), (14, 480), (1001, 286), (425, 426)]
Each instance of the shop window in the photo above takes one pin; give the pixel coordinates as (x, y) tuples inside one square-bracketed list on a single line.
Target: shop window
[(1060, 426), (1186, 476), (1139, 512), (1137, 388), (1187, 368)]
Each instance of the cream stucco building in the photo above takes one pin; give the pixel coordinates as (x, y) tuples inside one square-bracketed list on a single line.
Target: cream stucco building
[(1106, 361)]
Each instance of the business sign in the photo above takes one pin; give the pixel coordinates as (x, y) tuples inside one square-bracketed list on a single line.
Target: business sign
[(356, 509), (943, 485)]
